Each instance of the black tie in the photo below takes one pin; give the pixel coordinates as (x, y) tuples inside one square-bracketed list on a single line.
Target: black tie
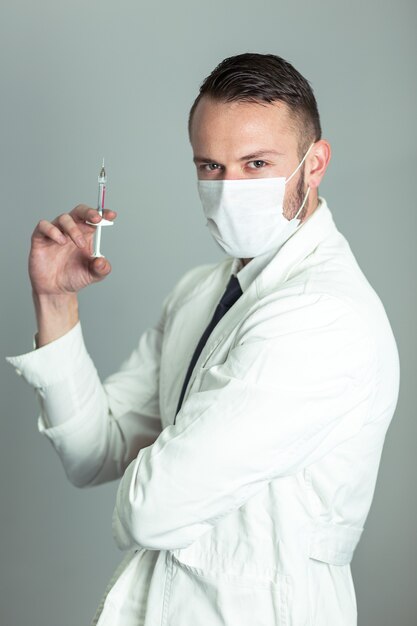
[(232, 293)]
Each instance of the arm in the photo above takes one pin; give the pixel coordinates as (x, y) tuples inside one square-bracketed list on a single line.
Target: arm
[(295, 385), (96, 428)]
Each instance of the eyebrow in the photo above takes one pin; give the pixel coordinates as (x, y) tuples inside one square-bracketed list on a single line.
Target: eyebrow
[(255, 155)]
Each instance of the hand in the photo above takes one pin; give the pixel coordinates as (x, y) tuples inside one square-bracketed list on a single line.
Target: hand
[(60, 261)]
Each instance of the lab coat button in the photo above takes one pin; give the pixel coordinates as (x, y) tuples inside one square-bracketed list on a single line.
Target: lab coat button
[(18, 371)]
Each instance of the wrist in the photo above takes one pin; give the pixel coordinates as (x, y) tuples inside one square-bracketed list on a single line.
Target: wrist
[(55, 315), (55, 301)]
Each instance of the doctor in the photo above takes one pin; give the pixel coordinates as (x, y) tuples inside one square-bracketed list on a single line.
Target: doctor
[(247, 425)]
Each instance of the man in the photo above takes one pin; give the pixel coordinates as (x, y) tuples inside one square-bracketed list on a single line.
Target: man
[(247, 425)]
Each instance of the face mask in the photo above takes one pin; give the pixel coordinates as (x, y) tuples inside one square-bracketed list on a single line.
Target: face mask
[(245, 217)]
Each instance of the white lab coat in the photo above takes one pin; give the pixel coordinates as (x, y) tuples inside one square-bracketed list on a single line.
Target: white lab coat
[(248, 510)]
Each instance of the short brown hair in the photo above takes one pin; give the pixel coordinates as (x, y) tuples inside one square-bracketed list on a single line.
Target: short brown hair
[(253, 77)]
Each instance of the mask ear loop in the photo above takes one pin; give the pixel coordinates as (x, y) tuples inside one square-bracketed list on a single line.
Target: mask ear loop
[(300, 164), (308, 189)]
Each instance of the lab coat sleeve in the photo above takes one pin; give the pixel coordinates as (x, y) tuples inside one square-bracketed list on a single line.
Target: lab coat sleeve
[(96, 428), (299, 380)]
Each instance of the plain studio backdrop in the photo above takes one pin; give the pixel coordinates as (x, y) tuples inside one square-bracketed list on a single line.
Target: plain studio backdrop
[(82, 80)]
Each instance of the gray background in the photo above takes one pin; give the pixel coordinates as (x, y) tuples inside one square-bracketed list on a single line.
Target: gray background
[(81, 80)]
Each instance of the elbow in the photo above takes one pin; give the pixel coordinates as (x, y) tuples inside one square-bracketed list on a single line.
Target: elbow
[(81, 479), (107, 470)]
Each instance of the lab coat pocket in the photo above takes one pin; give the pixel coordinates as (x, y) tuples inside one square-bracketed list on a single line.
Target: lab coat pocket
[(221, 597)]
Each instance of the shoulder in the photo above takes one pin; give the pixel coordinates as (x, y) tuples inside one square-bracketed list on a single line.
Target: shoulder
[(297, 314)]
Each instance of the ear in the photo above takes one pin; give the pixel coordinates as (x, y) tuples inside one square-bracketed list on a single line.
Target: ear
[(317, 162)]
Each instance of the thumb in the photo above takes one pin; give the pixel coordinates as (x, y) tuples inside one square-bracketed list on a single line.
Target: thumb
[(99, 268)]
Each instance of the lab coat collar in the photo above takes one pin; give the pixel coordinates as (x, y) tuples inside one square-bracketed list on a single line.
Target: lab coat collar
[(273, 267), (302, 243)]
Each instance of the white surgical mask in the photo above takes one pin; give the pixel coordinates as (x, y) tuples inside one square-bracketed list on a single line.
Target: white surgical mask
[(245, 216)]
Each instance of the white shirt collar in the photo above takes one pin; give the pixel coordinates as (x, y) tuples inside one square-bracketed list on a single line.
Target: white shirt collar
[(246, 274)]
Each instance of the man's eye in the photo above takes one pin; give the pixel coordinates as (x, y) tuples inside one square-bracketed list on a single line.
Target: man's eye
[(257, 164), (210, 166)]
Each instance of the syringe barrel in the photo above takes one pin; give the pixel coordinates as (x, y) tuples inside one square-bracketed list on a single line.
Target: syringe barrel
[(101, 196)]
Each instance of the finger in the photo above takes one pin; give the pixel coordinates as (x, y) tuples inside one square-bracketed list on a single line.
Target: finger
[(50, 231), (109, 214), (94, 216), (81, 212), (68, 226)]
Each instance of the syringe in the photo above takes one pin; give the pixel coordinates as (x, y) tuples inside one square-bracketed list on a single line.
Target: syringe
[(102, 179)]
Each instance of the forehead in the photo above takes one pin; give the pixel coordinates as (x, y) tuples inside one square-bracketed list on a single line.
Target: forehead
[(242, 125)]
